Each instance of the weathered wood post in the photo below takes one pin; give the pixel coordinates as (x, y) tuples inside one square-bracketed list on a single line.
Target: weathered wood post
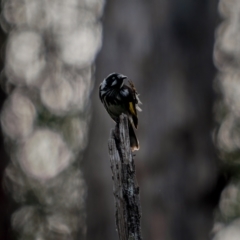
[(125, 188)]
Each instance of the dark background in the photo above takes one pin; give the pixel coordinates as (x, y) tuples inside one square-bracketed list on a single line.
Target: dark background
[(166, 48)]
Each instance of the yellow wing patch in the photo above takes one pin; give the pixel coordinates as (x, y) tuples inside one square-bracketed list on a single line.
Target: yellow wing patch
[(132, 109)]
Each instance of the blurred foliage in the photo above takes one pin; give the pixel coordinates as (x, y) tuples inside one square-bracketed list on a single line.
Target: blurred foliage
[(226, 58), (48, 77)]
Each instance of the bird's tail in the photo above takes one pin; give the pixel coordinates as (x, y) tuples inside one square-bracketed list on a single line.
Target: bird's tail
[(133, 139)]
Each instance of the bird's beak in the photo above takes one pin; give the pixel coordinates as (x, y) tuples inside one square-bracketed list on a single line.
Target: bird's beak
[(123, 77)]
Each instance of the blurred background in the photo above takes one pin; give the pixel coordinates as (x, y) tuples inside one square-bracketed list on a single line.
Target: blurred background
[(183, 57), (165, 48)]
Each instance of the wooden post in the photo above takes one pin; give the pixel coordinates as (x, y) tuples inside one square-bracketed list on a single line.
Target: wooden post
[(125, 188)]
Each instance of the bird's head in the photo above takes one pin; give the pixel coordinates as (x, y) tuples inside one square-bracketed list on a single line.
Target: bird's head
[(113, 80)]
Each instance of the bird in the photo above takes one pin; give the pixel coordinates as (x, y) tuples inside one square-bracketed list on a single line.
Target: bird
[(118, 98)]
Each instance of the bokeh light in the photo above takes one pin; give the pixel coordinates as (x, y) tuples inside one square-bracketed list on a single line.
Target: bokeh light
[(24, 58), (18, 116), (44, 155), (227, 60), (48, 76)]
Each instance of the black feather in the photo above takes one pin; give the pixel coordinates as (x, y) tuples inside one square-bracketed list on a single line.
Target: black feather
[(116, 98)]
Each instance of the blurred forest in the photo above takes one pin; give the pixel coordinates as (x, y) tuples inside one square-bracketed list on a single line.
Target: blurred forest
[(168, 49)]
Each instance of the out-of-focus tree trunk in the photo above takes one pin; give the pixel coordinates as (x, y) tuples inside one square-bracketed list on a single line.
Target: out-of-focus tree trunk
[(48, 77), (166, 48), (227, 113)]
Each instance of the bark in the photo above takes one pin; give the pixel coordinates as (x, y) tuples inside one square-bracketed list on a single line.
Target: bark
[(125, 188)]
